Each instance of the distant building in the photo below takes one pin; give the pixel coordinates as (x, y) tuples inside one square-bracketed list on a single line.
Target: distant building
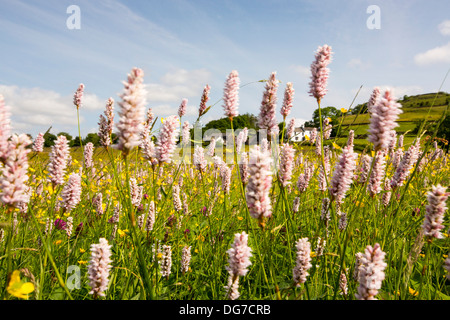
[(300, 131)]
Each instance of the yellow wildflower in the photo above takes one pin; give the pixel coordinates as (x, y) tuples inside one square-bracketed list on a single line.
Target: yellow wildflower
[(413, 292), (18, 288), (343, 110)]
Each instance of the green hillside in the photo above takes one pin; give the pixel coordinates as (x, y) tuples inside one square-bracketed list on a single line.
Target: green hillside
[(416, 109)]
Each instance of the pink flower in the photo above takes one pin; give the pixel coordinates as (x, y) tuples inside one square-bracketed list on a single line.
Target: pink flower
[(13, 181), (71, 193), (99, 267), (290, 129), (211, 147), (435, 210), (286, 164), (132, 109), (343, 174), (288, 98), (78, 96), (405, 165), (238, 261), (303, 262), (239, 255), (225, 174), (136, 192), (58, 160), (384, 115), (199, 159), (241, 139), (230, 95), (186, 135), (378, 172), (106, 124), (38, 145), (259, 184), (373, 100), (185, 259), (267, 116), (320, 72), (178, 206), (205, 97), (167, 139), (88, 153), (182, 108), (371, 272)]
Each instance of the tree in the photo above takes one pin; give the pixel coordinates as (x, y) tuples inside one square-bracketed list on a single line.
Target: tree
[(49, 139), (92, 137), (328, 112), (240, 122)]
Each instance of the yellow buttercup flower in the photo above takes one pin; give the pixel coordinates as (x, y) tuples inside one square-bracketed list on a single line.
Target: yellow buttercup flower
[(17, 287), (413, 292), (343, 110), (335, 145)]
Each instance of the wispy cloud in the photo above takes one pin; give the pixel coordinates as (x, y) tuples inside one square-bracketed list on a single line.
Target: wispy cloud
[(36, 109), (444, 28), (436, 55)]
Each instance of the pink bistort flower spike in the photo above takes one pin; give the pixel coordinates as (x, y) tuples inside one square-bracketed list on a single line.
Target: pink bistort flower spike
[(320, 73), (435, 210), (58, 160), (267, 113), (371, 272), (241, 139), (404, 167), (343, 174), (205, 97), (258, 186), (384, 114), (377, 174), (199, 159), (78, 96), (165, 146), (288, 98), (239, 255), (88, 154), (14, 178), (373, 99), (286, 164), (303, 263), (182, 108), (186, 135), (99, 267), (185, 259), (106, 123), (71, 193), (38, 145), (290, 130), (230, 95), (132, 111)]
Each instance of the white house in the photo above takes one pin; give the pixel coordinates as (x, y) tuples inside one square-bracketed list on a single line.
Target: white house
[(300, 131)]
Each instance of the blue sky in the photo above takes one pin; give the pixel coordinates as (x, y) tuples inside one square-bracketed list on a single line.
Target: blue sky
[(184, 45)]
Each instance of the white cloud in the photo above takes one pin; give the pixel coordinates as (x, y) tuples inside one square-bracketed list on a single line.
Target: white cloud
[(177, 85), (436, 55), (35, 109), (302, 70), (398, 91), (444, 28), (356, 63)]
